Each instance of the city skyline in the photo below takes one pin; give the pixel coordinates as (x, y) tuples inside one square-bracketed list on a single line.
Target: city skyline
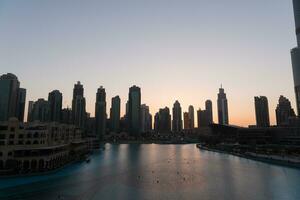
[(194, 74)]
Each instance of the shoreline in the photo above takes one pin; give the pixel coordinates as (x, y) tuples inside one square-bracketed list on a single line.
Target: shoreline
[(269, 160)]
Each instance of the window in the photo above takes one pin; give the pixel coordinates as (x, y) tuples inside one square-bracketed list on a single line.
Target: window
[(10, 153), (21, 136), (20, 142), (2, 143), (2, 136), (11, 143), (11, 136), (12, 129)]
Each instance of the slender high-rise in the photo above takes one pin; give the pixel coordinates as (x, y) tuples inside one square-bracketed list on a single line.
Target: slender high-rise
[(262, 111), (21, 101), (191, 117), (222, 107), (209, 111), (12, 98), (177, 117), (115, 114), (295, 54), (55, 103), (78, 106), (134, 110), (146, 119), (100, 112)]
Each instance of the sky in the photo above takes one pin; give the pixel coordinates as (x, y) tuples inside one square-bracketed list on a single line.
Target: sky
[(173, 49)]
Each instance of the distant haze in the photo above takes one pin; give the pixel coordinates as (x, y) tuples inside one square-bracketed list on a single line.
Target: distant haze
[(172, 49)]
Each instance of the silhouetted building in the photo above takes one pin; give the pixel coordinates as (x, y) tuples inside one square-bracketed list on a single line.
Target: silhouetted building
[(222, 107), (29, 111), (100, 112), (163, 121), (11, 104), (66, 116), (78, 106), (284, 111), (146, 119), (295, 54), (55, 101), (115, 114), (134, 110), (262, 111), (209, 111), (41, 111), (186, 120), (21, 101), (177, 117), (191, 117), (203, 118)]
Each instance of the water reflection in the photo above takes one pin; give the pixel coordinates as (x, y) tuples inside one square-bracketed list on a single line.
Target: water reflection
[(150, 171)]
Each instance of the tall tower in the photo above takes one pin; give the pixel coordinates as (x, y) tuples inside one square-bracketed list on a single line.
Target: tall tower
[(78, 106), (100, 112), (55, 102), (222, 107), (134, 110), (177, 117), (209, 111), (191, 117), (295, 54), (115, 114), (262, 111)]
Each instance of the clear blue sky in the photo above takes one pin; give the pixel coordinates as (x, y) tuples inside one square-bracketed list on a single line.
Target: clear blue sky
[(172, 49)]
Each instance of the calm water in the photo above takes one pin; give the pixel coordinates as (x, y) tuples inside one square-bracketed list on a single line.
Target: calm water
[(153, 171)]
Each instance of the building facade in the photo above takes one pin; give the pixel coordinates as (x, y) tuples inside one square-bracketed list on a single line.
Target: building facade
[(177, 117), (115, 114), (38, 147), (222, 107), (100, 113), (55, 102), (12, 98), (295, 55), (262, 111), (284, 111), (78, 106), (134, 110)]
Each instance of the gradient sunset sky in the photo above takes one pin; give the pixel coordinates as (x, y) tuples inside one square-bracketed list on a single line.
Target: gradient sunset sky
[(172, 49)]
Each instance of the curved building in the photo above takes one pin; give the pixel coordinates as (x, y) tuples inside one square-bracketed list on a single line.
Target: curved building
[(295, 54)]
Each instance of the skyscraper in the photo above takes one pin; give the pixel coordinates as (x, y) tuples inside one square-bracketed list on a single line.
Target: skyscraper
[(163, 121), (262, 111), (29, 112), (21, 101), (191, 117), (284, 111), (177, 117), (203, 118), (146, 119), (11, 104), (295, 54), (134, 110), (115, 114), (222, 107), (78, 106), (186, 121), (55, 103), (209, 111), (100, 112), (40, 111), (66, 116)]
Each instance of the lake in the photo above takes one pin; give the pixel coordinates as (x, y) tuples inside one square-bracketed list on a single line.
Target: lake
[(152, 171)]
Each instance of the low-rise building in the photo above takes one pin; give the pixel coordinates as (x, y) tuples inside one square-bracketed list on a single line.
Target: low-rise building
[(38, 147)]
